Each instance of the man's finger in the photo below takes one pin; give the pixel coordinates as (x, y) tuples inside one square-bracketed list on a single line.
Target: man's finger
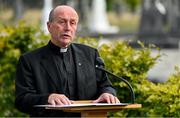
[(117, 100), (58, 101), (112, 99), (52, 102), (108, 99), (65, 101), (96, 101)]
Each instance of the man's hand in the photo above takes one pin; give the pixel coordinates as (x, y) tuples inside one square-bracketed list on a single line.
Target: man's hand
[(58, 99), (107, 97)]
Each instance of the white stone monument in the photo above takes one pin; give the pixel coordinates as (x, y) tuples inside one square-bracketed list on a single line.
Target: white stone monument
[(98, 21)]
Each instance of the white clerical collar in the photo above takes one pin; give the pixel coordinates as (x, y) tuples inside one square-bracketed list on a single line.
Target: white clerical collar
[(63, 50)]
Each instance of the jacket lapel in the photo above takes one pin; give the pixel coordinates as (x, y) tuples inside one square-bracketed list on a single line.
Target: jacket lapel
[(50, 67)]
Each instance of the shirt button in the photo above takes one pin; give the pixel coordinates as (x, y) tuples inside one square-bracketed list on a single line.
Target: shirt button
[(79, 64)]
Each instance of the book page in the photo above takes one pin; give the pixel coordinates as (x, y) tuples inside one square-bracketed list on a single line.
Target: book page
[(83, 105)]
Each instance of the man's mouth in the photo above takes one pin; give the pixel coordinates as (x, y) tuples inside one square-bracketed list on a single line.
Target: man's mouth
[(66, 35)]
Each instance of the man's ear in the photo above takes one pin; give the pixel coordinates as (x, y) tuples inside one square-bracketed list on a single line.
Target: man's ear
[(49, 26)]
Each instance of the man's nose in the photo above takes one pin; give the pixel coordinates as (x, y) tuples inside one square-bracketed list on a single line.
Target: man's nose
[(67, 26)]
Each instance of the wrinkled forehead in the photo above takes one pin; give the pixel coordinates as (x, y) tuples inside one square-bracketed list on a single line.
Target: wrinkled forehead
[(66, 12)]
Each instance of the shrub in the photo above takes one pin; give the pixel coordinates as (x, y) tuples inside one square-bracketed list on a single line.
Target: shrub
[(157, 99)]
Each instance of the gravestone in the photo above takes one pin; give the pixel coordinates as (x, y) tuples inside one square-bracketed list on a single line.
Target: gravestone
[(174, 19), (98, 21), (154, 24), (152, 20)]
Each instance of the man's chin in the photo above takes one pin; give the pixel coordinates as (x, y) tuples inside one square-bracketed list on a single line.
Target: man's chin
[(65, 44)]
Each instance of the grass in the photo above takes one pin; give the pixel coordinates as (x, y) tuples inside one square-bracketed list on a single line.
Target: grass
[(6, 16), (32, 16), (127, 22)]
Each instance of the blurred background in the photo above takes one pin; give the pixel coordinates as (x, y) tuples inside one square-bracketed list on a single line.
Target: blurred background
[(154, 22)]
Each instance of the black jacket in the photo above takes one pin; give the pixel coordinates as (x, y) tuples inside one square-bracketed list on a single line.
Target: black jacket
[(37, 78)]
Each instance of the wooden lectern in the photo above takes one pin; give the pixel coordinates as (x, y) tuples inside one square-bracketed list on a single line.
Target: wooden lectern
[(88, 109)]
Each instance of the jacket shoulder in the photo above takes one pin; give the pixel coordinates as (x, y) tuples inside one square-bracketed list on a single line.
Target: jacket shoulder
[(35, 53)]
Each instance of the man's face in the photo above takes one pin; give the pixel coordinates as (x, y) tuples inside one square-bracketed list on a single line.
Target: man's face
[(63, 27)]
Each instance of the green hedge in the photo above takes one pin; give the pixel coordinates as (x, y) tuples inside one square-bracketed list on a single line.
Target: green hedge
[(157, 99), (120, 58)]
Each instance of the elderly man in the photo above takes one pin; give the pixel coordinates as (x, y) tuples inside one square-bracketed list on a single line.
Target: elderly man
[(61, 71)]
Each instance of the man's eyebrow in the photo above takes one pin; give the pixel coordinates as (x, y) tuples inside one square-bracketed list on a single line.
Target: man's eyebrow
[(60, 18), (72, 18)]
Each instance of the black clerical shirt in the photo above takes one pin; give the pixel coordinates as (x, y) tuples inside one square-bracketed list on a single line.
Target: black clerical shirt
[(65, 65)]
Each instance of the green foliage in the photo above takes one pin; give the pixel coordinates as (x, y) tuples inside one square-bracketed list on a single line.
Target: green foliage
[(161, 99), (15, 40), (158, 100), (132, 4), (131, 64), (123, 60)]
